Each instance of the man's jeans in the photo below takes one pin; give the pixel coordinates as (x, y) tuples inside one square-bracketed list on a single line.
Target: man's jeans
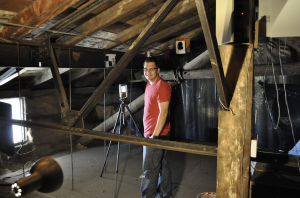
[(156, 181)]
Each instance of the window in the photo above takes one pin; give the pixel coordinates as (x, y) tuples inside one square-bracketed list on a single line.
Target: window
[(18, 113)]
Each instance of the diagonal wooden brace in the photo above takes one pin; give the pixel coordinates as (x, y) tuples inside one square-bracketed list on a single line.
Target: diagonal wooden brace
[(126, 58)]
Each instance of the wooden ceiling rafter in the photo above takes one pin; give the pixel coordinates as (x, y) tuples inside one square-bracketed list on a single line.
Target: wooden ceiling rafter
[(104, 19), (80, 13), (126, 58), (196, 33), (181, 9), (37, 14), (173, 30)]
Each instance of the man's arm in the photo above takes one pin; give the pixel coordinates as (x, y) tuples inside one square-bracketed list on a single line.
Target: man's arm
[(161, 120)]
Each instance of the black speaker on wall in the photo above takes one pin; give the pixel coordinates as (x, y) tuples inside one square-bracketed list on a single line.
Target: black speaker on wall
[(6, 132)]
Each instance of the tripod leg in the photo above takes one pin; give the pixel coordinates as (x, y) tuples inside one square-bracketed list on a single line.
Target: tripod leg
[(105, 159), (117, 164), (134, 121), (108, 149), (117, 170)]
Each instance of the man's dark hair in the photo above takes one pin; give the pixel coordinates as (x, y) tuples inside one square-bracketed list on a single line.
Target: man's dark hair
[(152, 59)]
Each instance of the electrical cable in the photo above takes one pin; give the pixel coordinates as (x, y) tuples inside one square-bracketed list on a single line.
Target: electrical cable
[(130, 102), (104, 109), (70, 96), (19, 85), (265, 94), (241, 187), (285, 97)]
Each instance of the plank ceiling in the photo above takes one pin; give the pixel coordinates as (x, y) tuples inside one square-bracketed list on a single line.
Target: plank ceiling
[(120, 20), (116, 20)]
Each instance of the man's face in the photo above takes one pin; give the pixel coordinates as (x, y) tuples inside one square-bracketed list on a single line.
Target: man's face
[(151, 76)]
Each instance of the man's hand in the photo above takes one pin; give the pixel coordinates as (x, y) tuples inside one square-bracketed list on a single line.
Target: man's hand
[(153, 137)]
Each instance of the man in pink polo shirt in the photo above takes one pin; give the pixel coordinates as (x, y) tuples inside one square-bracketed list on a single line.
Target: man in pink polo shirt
[(156, 178)]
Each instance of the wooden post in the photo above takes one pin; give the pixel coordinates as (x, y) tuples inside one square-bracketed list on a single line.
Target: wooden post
[(233, 157)]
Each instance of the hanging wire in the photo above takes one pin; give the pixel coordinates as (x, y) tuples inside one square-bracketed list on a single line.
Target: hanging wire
[(71, 138), (242, 166), (227, 109), (24, 153), (287, 106), (104, 108), (130, 102), (265, 94), (20, 106)]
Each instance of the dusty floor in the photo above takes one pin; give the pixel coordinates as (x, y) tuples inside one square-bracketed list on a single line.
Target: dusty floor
[(191, 174)]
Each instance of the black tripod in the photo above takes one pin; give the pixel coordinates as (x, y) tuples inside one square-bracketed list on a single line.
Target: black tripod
[(121, 116)]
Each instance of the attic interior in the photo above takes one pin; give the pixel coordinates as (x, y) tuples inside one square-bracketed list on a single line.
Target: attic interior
[(234, 72)]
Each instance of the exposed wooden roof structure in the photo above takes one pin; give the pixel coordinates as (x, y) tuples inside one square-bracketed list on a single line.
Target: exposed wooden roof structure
[(118, 21), (43, 39)]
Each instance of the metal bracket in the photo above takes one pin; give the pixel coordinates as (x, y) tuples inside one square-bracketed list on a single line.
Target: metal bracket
[(37, 54)]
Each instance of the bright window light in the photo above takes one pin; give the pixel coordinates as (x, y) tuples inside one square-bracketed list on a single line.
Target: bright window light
[(17, 112)]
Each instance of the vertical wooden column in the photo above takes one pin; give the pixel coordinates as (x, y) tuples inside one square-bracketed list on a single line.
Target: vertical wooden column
[(233, 158)]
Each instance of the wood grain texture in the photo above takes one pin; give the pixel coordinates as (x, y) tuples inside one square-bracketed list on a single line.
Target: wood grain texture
[(173, 30), (104, 19), (37, 14), (234, 136), (163, 144), (196, 33), (15, 5), (180, 9), (127, 57)]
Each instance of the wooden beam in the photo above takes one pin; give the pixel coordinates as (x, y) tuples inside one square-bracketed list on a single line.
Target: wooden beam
[(234, 128), (143, 14), (62, 97), (37, 14), (134, 106), (173, 30), (21, 42), (126, 58), (104, 19), (163, 144), (5, 16), (212, 46), (196, 33), (72, 18), (31, 54), (180, 9)]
